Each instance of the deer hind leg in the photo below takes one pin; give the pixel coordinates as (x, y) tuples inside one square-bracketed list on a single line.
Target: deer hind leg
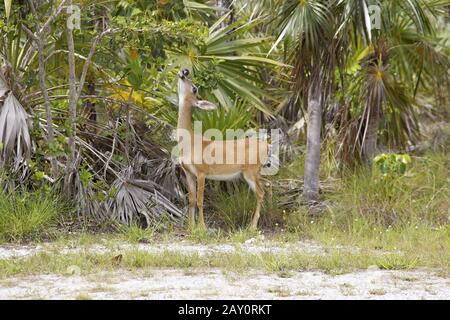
[(191, 184), (200, 191), (254, 181)]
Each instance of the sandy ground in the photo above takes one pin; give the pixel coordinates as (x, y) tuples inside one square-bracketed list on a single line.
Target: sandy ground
[(250, 246), (217, 284)]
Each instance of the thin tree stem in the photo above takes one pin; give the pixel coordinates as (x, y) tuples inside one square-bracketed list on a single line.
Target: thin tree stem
[(48, 108), (70, 167)]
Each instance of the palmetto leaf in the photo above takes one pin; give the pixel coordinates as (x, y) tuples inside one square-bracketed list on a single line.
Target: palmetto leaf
[(14, 130), (236, 117), (231, 54), (7, 8), (303, 21), (135, 198)]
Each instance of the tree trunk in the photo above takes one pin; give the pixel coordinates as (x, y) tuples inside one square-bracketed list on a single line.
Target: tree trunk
[(89, 106), (39, 38), (370, 142), (312, 159), (128, 133), (48, 108), (71, 166)]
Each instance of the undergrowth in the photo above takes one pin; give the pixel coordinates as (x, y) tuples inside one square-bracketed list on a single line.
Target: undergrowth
[(28, 216)]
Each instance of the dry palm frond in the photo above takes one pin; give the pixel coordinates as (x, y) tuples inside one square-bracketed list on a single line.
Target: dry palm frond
[(14, 130), (166, 173), (142, 192), (135, 199), (86, 205)]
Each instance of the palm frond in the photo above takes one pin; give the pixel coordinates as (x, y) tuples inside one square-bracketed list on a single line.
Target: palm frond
[(228, 66), (136, 199), (14, 130)]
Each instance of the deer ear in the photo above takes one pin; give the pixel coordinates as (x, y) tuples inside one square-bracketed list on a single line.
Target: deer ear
[(205, 105)]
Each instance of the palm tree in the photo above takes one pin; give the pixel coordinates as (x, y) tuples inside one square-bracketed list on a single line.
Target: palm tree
[(394, 62), (307, 28), (320, 35)]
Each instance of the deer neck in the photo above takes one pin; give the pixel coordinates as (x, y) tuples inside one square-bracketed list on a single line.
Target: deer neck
[(185, 118)]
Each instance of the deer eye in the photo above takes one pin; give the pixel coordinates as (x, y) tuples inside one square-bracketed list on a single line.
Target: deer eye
[(194, 89)]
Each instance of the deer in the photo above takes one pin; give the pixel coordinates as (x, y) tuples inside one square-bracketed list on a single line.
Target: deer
[(199, 165)]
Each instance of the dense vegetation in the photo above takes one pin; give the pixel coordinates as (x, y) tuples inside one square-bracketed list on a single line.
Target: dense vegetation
[(87, 114)]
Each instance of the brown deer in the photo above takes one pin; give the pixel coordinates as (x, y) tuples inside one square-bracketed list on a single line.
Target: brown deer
[(203, 158)]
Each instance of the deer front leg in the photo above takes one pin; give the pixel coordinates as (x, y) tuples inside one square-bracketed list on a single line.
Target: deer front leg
[(200, 191), (190, 179), (254, 181)]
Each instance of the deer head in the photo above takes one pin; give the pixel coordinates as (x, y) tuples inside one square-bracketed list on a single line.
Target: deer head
[(188, 93)]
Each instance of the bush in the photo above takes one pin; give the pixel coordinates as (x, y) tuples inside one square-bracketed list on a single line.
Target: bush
[(29, 215)]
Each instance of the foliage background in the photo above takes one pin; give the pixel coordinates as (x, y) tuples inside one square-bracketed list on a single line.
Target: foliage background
[(263, 62)]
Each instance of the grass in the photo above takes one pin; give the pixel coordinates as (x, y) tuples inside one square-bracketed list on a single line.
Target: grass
[(83, 296), (377, 292), (136, 234), (88, 262), (233, 210), (29, 215), (402, 225), (410, 216), (280, 292)]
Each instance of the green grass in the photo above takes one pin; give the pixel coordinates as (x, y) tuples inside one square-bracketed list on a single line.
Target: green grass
[(232, 210), (136, 234), (404, 225), (28, 216), (83, 296), (411, 215), (85, 262)]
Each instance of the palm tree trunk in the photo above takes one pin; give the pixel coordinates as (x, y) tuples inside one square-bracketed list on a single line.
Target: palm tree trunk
[(312, 160), (370, 142)]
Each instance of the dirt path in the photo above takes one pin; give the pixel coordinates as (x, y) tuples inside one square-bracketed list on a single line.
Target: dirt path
[(214, 284)]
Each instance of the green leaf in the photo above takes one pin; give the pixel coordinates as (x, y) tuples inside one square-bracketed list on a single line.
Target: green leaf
[(39, 175), (85, 177), (247, 59), (136, 11)]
